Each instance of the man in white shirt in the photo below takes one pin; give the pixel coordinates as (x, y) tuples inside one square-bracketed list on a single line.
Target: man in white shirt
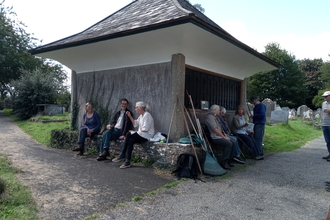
[(326, 121)]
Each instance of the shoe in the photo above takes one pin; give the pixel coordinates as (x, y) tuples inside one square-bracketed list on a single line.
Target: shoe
[(224, 165), (100, 158), (259, 157), (125, 165), (118, 159), (327, 157), (104, 155), (239, 160), (80, 153), (229, 164), (80, 147)]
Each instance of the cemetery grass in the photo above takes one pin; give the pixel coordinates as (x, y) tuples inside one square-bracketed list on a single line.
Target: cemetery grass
[(16, 202), (41, 132), (289, 136)]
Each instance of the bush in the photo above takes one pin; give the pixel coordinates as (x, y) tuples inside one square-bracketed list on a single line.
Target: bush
[(31, 89), (63, 139)]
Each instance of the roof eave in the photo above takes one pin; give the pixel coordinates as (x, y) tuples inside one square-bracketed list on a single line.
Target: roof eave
[(190, 18)]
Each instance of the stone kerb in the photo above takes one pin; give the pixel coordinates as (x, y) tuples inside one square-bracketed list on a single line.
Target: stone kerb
[(279, 116), (155, 150)]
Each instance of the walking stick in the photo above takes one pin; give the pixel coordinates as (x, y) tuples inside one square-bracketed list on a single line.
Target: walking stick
[(192, 142)]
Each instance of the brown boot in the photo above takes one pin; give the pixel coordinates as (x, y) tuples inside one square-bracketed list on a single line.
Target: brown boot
[(79, 147), (104, 155)]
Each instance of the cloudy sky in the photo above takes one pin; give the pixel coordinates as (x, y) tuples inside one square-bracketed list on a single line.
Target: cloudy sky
[(301, 27)]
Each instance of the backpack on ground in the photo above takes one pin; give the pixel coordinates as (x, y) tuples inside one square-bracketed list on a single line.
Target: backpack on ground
[(186, 166)]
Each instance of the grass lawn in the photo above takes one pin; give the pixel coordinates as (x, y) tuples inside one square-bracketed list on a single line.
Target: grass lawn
[(289, 136)]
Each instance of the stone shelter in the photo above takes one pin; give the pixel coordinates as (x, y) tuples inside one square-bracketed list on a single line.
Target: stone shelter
[(155, 51)]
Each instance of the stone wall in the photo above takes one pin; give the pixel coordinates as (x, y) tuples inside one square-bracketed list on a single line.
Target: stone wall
[(149, 83), (155, 150)]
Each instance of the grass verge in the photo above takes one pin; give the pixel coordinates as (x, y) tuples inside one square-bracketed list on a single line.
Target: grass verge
[(289, 136), (40, 131), (16, 202)]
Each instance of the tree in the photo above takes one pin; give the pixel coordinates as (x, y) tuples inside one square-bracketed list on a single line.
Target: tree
[(283, 85), (311, 68), (325, 75), (14, 44), (14, 57), (36, 87), (198, 7)]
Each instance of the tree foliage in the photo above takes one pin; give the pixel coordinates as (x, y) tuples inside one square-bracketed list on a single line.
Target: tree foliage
[(36, 87), (14, 57), (198, 6), (313, 84), (283, 85), (325, 75)]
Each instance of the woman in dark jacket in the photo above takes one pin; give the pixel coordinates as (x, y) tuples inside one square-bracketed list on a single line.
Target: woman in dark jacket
[(91, 125)]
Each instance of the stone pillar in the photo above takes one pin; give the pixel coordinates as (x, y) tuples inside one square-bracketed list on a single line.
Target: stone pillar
[(178, 85), (74, 100), (244, 99)]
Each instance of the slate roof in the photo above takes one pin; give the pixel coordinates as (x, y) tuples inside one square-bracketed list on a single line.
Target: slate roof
[(140, 16)]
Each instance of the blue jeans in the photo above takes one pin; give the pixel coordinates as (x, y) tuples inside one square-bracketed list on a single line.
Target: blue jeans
[(110, 135), (259, 130), (237, 151), (326, 133), (83, 135)]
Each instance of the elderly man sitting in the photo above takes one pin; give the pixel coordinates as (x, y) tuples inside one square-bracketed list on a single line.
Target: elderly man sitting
[(219, 137)]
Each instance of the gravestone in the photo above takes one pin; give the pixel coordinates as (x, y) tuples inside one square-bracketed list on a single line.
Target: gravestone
[(285, 109), (301, 110), (279, 116), (292, 113), (270, 106)]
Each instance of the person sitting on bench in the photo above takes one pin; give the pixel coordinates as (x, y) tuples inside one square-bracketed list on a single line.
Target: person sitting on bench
[(146, 130), (219, 137), (237, 152), (118, 129), (91, 125), (245, 135)]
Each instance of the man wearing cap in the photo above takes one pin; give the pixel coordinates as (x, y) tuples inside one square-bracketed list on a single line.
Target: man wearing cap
[(326, 121), (259, 120)]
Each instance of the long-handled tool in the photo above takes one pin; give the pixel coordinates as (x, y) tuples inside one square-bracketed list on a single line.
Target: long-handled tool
[(211, 165), (192, 142)]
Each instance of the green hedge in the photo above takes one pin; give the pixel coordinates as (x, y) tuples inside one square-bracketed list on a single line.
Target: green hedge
[(63, 139)]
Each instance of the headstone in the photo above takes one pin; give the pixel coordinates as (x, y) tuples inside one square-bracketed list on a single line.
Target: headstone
[(270, 106), (279, 116), (292, 113), (285, 109), (301, 110)]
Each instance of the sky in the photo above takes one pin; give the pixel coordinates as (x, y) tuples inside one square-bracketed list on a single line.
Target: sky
[(300, 27)]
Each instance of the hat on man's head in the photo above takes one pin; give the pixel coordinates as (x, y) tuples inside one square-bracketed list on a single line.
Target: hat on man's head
[(327, 93), (254, 98)]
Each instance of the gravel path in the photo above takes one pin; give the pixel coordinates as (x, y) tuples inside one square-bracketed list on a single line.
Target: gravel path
[(68, 187), (288, 185)]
